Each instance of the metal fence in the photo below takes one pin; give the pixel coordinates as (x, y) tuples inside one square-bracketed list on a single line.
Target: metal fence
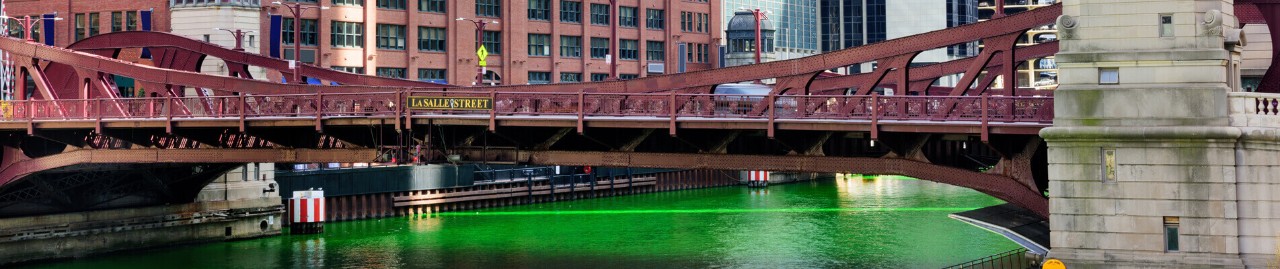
[(640, 105), (1013, 259)]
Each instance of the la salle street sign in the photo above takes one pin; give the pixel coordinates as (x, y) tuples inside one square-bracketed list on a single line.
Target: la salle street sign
[(450, 103)]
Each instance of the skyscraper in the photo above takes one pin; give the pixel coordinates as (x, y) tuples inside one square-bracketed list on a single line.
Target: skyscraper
[(796, 21), (852, 23)]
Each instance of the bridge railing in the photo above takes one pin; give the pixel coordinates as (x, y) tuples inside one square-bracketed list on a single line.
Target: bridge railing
[(1253, 109), (656, 105)]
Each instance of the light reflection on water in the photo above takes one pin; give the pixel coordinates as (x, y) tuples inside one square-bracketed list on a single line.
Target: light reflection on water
[(853, 222)]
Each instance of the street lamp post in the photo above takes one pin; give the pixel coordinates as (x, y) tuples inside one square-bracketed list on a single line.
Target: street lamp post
[(239, 36), (479, 43), (296, 9), (27, 22), (613, 39), (759, 15)]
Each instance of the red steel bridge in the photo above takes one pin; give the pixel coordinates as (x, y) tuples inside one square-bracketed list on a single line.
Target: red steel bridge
[(73, 142)]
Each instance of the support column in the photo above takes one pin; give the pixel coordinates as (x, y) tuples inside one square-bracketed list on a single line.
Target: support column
[(1141, 157)]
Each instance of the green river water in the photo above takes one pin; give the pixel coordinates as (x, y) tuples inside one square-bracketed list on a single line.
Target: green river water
[(843, 223)]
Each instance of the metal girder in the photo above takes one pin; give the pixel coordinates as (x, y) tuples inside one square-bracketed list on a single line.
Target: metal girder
[(551, 140), (630, 145), (162, 40), (999, 186), (157, 184), (799, 82), (1002, 45), (144, 74), (803, 142), (906, 145), (23, 168), (709, 141), (900, 65), (1016, 153)]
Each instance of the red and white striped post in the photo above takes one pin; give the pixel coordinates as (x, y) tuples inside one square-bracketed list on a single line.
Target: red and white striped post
[(306, 212), (757, 178)]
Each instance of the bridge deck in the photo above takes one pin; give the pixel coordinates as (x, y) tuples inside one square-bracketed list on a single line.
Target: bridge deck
[(638, 122), (936, 114)]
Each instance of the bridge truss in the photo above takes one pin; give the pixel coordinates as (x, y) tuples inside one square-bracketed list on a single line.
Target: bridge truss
[(972, 135)]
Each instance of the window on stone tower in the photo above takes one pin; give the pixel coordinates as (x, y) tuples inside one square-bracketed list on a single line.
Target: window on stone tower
[(1171, 234), (1166, 25), (1108, 75)]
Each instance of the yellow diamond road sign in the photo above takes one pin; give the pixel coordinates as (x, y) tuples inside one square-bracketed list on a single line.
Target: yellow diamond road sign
[(482, 53)]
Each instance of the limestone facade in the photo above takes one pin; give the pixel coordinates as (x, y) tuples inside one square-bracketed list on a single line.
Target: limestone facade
[(1149, 134)]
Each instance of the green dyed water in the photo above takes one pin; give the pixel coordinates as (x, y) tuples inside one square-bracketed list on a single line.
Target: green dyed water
[(842, 223)]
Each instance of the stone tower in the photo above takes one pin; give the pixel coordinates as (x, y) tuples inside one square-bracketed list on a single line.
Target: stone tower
[(741, 35), (1148, 166)]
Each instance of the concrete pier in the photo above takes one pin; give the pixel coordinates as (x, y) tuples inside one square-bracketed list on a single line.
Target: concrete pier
[(235, 206)]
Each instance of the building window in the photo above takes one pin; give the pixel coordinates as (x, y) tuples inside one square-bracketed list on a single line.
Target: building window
[(539, 45), (348, 2), (349, 69), (308, 35), (431, 39), (599, 76), (697, 53), (570, 77), (1171, 234), (540, 10), (93, 24), (627, 16), (347, 34), (571, 46), (656, 50), (493, 42), (600, 14), (117, 21), (431, 6), (599, 47), (686, 21), (539, 77), (79, 26), (390, 72), (489, 8), (85, 29), (655, 19), (571, 11), (391, 4), (390, 36), (704, 22), (15, 30), (628, 49), (627, 76), (436, 75), (131, 20), (1108, 75), (695, 22), (1166, 25)]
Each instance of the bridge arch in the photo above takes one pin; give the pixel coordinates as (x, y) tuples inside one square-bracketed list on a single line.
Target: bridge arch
[(1003, 187)]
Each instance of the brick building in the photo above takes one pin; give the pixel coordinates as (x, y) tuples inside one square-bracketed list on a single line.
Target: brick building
[(535, 41), (87, 18)]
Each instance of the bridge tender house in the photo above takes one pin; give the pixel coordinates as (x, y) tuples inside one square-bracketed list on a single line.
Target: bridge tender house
[(469, 103)]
